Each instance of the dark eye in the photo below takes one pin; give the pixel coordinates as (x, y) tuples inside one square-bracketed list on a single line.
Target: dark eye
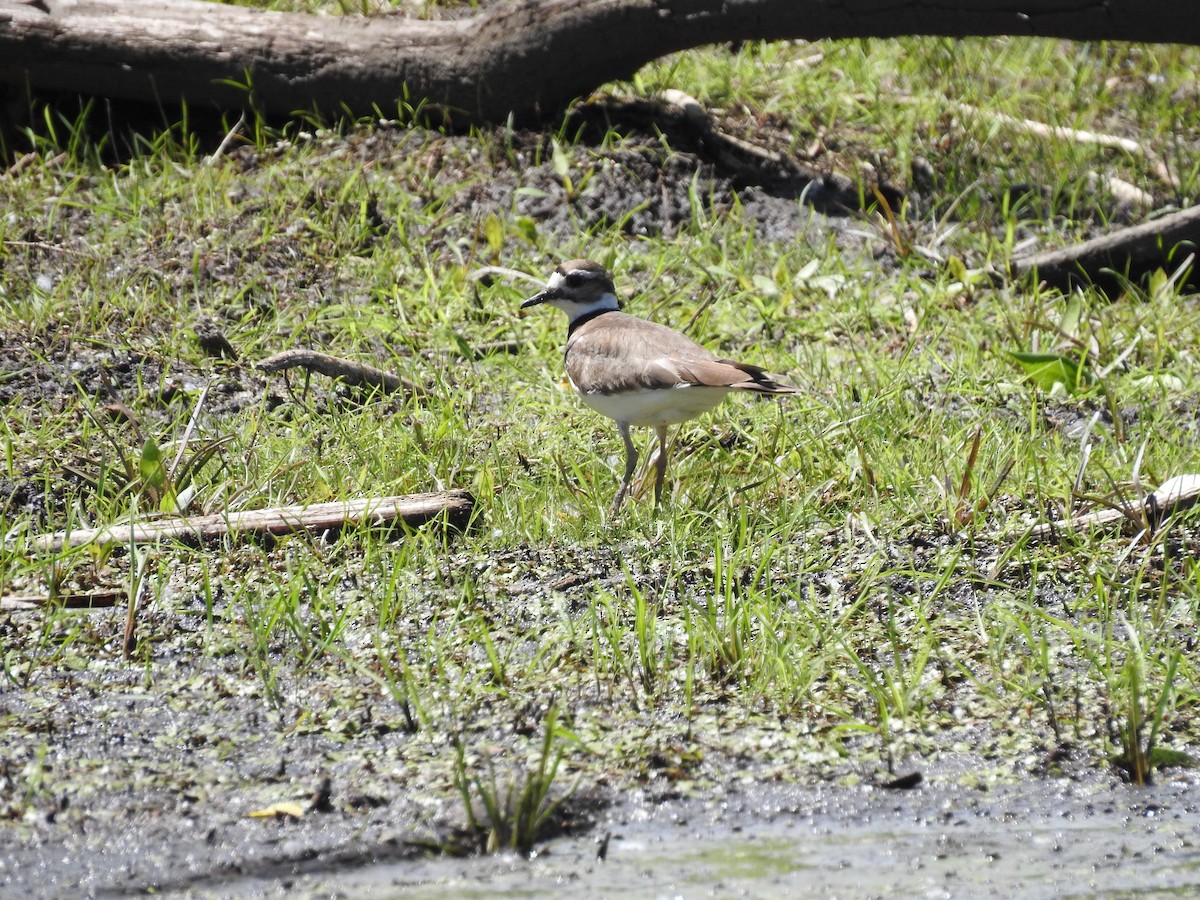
[(574, 280)]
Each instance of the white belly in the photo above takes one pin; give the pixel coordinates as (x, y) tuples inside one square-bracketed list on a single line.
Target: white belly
[(665, 406)]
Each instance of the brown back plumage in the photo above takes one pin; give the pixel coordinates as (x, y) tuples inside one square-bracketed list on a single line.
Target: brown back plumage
[(652, 357)]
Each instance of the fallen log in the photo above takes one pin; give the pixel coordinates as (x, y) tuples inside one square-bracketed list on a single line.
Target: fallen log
[(454, 507), (1128, 252), (528, 59)]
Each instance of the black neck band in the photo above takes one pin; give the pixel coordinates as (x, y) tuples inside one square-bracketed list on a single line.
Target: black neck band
[(585, 318)]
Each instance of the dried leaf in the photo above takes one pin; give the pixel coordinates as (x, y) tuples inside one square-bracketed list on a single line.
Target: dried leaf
[(278, 811)]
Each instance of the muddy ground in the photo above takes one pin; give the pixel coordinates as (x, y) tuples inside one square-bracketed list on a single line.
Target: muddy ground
[(122, 779), (1057, 839), (1086, 836)]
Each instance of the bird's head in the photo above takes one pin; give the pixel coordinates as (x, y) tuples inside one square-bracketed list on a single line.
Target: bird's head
[(578, 287)]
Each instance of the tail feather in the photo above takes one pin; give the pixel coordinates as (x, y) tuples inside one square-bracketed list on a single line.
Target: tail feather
[(761, 381), (765, 386)]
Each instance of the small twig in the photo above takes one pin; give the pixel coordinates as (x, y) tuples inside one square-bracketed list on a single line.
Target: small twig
[(29, 159), (335, 367), (701, 308), (229, 138)]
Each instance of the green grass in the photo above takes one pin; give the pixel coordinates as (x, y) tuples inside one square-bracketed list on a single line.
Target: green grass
[(837, 583)]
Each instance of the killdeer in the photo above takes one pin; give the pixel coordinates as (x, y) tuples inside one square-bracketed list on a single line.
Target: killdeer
[(636, 372)]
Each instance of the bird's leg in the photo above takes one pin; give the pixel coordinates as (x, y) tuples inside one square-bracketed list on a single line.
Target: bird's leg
[(631, 458), (660, 463)]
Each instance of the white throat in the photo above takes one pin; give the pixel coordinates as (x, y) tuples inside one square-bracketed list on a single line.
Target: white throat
[(576, 310)]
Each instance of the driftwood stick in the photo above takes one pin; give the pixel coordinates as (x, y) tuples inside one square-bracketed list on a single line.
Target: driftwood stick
[(412, 509), (1135, 248), (1173, 495), (336, 367), (1079, 136)]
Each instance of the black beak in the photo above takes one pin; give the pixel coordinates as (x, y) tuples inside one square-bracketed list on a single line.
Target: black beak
[(540, 297)]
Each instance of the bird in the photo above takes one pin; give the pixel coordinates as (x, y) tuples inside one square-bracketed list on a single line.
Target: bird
[(637, 372)]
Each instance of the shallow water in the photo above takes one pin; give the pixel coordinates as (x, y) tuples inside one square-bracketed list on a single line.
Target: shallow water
[(1043, 839)]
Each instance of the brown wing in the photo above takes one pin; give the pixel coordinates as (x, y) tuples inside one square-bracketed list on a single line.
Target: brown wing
[(625, 353)]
